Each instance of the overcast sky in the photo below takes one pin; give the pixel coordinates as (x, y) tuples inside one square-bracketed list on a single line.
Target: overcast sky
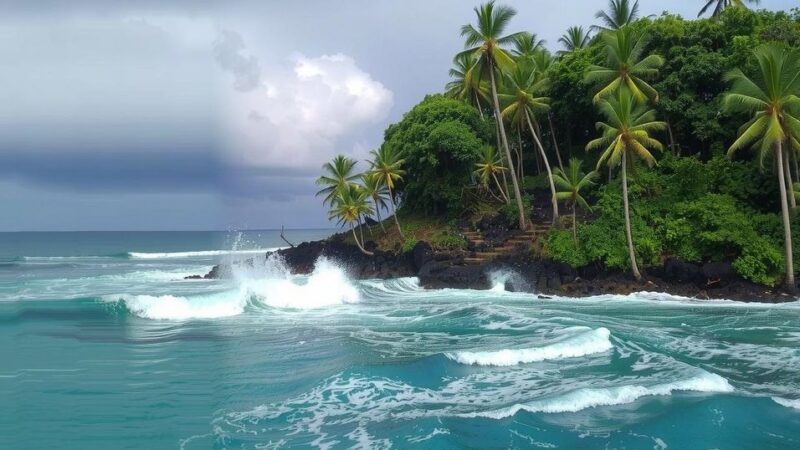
[(191, 115)]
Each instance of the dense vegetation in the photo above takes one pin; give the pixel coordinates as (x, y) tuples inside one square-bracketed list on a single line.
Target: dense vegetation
[(693, 127)]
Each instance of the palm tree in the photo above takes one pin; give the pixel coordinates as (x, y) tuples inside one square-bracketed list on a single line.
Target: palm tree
[(771, 98), (570, 183), (625, 66), (522, 86), (721, 5), (619, 14), (377, 192), (466, 85), (337, 174), (574, 39), (348, 206), (487, 168), (526, 45), (486, 43), (626, 137), (387, 167)]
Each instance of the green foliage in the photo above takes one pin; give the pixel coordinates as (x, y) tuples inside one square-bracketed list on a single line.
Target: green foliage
[(561, 247), (683, 208), (447, 240), (408, 244), (441, 140), (511, 212)]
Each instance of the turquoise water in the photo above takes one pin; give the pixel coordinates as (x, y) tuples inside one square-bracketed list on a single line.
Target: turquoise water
[(104, 345)]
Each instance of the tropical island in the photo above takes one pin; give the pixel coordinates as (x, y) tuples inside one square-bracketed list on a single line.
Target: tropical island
[(649, 153)]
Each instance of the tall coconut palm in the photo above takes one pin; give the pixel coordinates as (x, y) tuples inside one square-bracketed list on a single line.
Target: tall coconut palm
[(349, 205), (488, 166), (626, 137), (625, 66), (387, 167), (770, 96), (721, 5), (619, 14), (466, 84), (522, 101), (574, 39), (526, 45), (337, 175), (570, 182), (486, 43), (377, 192)]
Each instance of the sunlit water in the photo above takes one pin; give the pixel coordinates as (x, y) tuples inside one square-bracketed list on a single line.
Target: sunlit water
[(104, 345)]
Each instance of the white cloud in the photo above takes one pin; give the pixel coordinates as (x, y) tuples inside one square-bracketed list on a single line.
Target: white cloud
[(301, 112)]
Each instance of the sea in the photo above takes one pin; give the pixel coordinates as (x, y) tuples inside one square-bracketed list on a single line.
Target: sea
[(105, 345)]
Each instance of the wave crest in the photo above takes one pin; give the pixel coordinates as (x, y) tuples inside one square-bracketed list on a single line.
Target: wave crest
[(594, 341), (593, 397)]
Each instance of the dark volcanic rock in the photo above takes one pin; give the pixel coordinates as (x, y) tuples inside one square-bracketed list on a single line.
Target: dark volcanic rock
[(682, 272), (421, 254), (522, 272)]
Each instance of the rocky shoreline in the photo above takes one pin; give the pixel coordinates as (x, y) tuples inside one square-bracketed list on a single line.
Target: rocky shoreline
[(524, 273)]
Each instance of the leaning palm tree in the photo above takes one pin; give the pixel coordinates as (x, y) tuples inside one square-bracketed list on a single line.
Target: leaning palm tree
[(488, 166), (721, 5), (377, 192), (570, 182), (387, 167), (625, 66), (771, 98), (626, 137), (619, 14), (337, 175), (465, 84), (349, 205), (522, 101), (486, 44), (574, 39)]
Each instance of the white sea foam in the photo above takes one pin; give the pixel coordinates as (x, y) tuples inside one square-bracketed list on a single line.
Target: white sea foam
[(166, 255), (170, 307), (270, 284), (789, 403), (593, 397), (587, 343), (326, 286)]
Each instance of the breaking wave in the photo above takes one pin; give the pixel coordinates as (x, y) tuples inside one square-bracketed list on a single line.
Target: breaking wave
[(594, 341), (593, 397), (269, 284)]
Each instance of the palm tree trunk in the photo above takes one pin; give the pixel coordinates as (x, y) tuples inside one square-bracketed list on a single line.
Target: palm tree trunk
[(503, 156), (519, 157), (787, 227), (361, 228), (676, 150), (517, 194), (787, 174), (378, 215), (555, 142), (360, 247), (574, 225), (369, 229), (547, 166), (394, 209), (478, 104), (631, 251), (503, 193)]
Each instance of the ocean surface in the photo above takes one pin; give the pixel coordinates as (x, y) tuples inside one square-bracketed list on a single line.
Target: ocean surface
[(104, 345)]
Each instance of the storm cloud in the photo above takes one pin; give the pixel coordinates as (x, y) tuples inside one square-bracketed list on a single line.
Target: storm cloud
[(201, 114)]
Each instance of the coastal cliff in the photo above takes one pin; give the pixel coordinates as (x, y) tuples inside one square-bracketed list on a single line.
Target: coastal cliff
[(521, 272)]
